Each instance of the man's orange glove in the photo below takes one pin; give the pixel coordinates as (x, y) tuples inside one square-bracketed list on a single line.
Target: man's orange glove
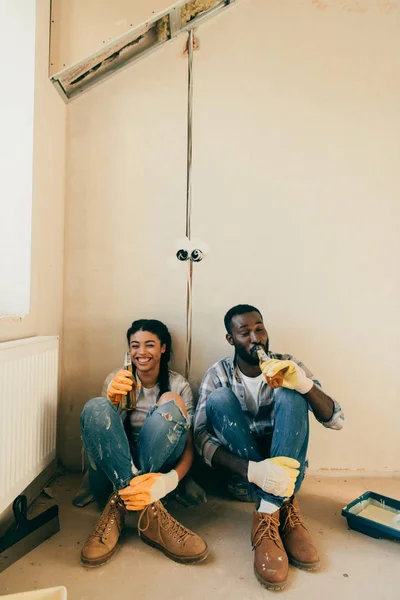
[(148, 488), (120, 386)]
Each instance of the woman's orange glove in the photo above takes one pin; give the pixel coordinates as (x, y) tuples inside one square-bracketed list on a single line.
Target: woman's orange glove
[(148, 488), (120, 386)]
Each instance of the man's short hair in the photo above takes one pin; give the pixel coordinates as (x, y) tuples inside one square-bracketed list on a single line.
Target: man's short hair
[(239, 309)]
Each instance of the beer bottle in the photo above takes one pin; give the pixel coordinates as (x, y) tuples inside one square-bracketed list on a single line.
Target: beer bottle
[(128, 402)]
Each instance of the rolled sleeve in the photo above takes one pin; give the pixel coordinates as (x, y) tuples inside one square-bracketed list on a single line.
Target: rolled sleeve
[(337, 419), (209, 449)]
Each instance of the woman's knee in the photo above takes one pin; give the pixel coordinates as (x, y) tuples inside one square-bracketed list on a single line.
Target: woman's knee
[(97, 409), (176, 399)]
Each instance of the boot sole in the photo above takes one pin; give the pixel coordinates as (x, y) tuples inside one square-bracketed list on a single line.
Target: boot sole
[(304, 566), (272, 587), (179, 559), (99, 562)]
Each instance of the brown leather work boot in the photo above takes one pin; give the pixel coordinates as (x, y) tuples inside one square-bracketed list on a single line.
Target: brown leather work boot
[(159, 529), (102, 542), (297, 540), (271, 565)]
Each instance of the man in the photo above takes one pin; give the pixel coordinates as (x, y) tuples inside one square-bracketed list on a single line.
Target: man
[(258, 435)]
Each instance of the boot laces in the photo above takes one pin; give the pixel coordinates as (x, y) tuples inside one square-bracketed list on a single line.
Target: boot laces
[(168, 523), (292, 518), (267, 528), (108, 516), (175, 528)]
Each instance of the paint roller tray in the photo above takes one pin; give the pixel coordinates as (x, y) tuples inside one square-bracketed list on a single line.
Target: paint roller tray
[(371, 526)]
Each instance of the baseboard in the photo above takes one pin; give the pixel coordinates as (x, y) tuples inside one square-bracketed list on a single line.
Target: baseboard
[(31, 492), (354, 473)]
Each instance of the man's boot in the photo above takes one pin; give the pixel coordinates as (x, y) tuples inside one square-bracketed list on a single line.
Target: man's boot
[(271, 565), (159, 529), (102, 542), (297, 540)]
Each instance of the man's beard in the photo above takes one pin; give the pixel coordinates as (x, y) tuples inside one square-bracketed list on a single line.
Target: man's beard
[(251, 358)]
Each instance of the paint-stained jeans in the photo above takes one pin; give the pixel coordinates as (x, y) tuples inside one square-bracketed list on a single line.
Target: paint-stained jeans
[(289, 437), (160, 444)]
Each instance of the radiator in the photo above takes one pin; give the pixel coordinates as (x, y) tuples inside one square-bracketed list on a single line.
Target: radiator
[(28, 412)]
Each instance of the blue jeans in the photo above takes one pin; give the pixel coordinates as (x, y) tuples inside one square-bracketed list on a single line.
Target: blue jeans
[(110, 455), (290, 435)]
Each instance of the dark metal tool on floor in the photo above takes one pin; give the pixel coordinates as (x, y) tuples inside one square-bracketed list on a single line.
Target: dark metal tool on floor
[(26, 533)]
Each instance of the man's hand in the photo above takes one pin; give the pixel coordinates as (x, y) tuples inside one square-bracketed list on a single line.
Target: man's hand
[(120, 386), (148, 488), (276, 476), (294, 378)]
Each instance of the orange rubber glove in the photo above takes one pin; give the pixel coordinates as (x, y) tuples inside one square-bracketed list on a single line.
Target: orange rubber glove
[(148, 488), (120, 386)]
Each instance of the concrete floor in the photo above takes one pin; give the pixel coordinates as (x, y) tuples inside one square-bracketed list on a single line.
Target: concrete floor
[(354, 566)]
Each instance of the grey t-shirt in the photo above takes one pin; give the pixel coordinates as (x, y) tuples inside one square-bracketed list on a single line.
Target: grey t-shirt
[(147, 397)]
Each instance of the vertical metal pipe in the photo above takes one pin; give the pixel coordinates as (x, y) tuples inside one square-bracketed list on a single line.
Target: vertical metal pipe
[(189, 320), (189, 135), (189, 204)]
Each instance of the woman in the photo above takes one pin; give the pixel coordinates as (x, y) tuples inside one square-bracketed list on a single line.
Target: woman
[(142, 455)]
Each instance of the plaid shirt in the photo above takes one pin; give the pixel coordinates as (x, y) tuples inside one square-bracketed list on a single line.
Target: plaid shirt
[(225, 373)]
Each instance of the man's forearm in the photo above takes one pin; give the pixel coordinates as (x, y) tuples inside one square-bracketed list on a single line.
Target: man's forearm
[(322, 405), (223, 459)]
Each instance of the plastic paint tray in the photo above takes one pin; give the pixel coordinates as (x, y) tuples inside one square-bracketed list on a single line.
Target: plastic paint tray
[(367, 526)]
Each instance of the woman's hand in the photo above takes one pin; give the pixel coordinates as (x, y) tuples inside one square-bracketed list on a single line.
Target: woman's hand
[(120, 386), (148, 488)]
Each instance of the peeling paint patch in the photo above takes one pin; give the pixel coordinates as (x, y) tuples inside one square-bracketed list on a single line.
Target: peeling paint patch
[(357, 6), (390, 6), (319, 5), (354, 6)]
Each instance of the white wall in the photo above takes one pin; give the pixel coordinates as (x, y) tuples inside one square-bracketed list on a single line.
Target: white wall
[(296, 191), (17, 21), (47, 259), (297, 128)]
